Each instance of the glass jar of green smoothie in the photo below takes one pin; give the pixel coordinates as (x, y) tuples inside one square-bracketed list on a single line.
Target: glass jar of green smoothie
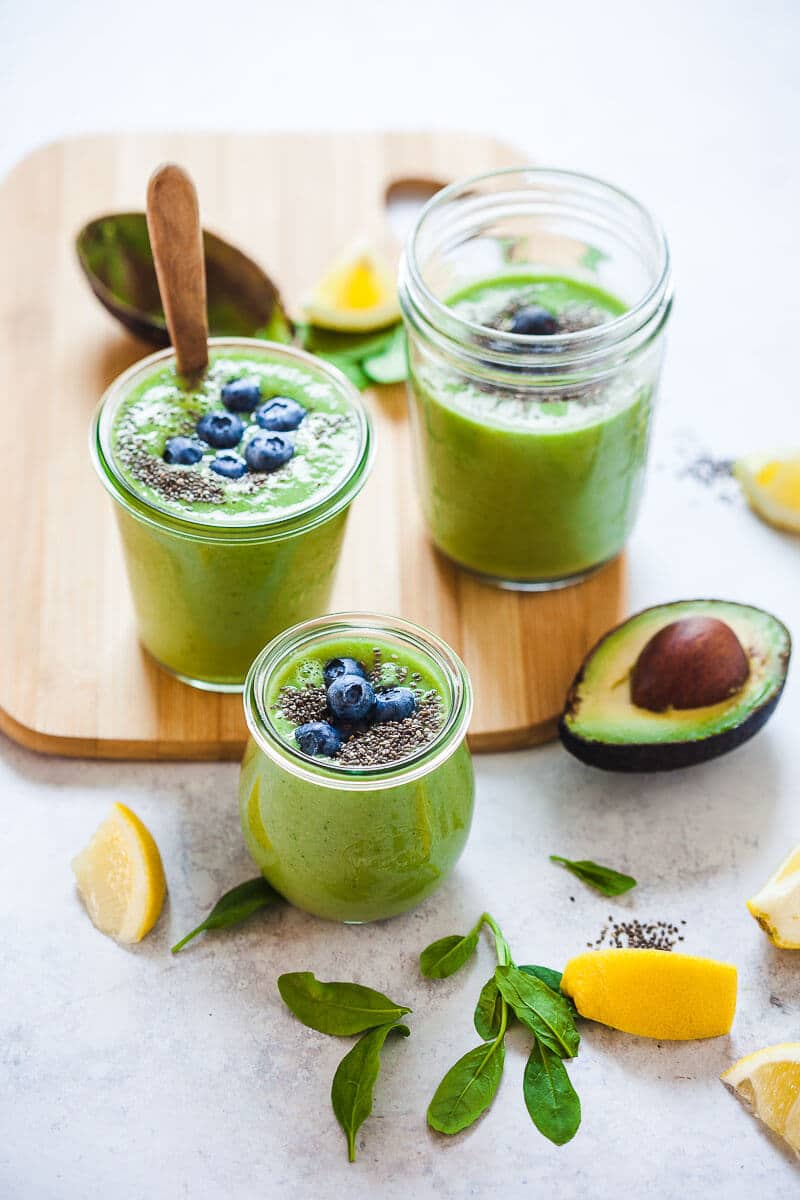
[(231, 494), (356, 816), (535, 303)]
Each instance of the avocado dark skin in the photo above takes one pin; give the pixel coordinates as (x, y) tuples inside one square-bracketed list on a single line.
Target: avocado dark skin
[(676, 685)]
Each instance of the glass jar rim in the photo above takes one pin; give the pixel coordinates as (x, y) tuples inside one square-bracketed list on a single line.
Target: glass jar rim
[(352, 778), (439, 316), (265, 527)]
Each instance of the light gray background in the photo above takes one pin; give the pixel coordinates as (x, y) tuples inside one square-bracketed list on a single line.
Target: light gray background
[(128, 1073)]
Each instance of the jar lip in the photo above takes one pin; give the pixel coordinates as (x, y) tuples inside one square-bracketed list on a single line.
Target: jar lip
[(264, 526), (352, 778), (610, 332)]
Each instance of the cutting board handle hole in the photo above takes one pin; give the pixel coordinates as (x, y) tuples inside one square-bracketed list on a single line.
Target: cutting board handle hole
[(403, 201)]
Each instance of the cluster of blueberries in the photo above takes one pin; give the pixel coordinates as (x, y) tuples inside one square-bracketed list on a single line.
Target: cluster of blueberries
[(224, 431), (355, 706)]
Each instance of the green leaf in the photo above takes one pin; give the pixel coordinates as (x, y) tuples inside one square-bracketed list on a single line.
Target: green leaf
[(354, 1082), (605, 879), (545, 1013), (235, 906), (550, 1098), (448, 955), (391, 365), (349, 367), (546, 974), (331, 342), (489, 1011), (340, 1009), (467, 1089)]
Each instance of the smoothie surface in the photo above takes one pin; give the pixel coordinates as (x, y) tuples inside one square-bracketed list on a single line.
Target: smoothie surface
[(491, 303), (297, 689), (326, 443)]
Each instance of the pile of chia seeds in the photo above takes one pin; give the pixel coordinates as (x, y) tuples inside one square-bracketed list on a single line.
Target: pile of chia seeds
[(634, 935), (380, 744), (573, 318)]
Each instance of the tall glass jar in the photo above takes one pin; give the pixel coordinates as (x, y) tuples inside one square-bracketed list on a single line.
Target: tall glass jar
[(531, 446), (210, 588), (356, 843)]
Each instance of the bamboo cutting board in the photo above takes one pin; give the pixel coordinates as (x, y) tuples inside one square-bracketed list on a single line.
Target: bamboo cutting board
[(73, 679)]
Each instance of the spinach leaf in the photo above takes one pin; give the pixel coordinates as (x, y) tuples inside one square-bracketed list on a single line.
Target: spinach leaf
[(340, 1009), (489, 1011), (235, 906), (468, 1088), (604, 879), (550, 1098), (448, 955), (545, 1013), (391, 364), (354, 1082), (349, 367), (546, 974)]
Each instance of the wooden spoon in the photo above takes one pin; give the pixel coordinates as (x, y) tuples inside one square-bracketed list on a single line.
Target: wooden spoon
[(173, 222)]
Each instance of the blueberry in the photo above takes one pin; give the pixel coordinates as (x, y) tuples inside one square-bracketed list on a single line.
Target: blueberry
[(318, 737), (184, 451), (281, 413), (394, 704), (231, 465), (534, 320), (241, 395), (341, 666), (222, 430), (268, 451), (350, 697)]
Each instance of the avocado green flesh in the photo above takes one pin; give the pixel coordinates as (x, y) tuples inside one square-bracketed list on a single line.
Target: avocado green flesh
[(600, 708)]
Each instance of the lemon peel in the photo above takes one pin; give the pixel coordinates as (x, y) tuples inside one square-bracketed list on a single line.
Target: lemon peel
[(653, 993)]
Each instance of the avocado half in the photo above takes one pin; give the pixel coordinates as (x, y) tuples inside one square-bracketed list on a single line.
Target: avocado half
[(603, 727)]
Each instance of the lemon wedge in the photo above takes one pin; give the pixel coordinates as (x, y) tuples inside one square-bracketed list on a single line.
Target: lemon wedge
[(771, 484), (769, 1081), (120, 877), (777, 906), (653, 993), (356, 293)]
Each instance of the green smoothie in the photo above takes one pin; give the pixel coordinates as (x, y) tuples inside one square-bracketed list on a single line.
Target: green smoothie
[(232, 494), (373, 829), (529, 484)]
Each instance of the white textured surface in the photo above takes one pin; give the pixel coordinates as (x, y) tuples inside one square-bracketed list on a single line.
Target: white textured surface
[(128, 1073)]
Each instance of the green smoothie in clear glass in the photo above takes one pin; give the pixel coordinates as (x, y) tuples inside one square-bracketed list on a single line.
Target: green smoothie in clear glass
[(232, 494), (372, 823), (535, 304)]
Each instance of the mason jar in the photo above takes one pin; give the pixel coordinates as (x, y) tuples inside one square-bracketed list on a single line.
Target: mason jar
[(209, 587), (352, 842), (531, 435)]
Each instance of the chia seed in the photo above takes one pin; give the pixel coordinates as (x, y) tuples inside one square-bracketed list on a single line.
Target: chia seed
[(635, 935), (380, 744)]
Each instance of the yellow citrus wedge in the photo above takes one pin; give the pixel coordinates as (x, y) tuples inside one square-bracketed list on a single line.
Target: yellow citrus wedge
[(769, 1081), (653, 993), (120, 877), (777, 906), (771, 483), (356, 293)]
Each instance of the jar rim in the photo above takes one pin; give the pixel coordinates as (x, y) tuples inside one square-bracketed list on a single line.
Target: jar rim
[(345, 777), (264, 527), (440, 315)]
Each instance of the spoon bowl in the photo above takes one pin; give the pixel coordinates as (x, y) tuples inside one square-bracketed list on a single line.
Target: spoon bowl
[(116, 257)]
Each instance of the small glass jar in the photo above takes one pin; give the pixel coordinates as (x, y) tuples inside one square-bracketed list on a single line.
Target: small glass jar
[(208, 593), (355, 843), (530, 448)]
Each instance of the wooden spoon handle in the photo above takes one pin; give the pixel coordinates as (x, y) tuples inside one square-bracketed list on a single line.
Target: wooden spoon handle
[(173, 221)]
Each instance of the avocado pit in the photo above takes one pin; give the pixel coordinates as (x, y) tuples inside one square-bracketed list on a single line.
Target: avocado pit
[(690, 663)]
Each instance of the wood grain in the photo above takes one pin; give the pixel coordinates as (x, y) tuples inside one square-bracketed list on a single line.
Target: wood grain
[(176, 236), (73, 679)]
